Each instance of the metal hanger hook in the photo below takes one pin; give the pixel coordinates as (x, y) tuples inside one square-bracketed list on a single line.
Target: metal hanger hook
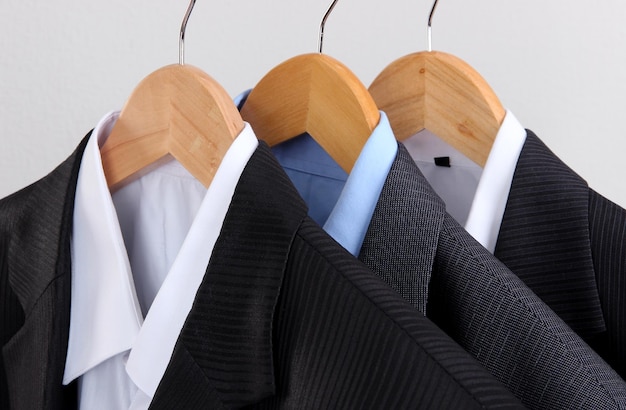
[(430, 26), (323, 24), (183, 27)]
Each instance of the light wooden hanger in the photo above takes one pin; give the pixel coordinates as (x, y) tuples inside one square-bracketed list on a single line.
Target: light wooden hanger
[(443, 94), (317, 94), (177, 110)]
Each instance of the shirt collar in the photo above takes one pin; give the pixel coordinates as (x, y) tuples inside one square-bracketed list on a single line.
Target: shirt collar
[(100, 269), (492, 193), (350, 218), (100, 329)]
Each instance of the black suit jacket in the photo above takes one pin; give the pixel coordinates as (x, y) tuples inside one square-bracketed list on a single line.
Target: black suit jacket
[(568, 244), (284, 317), (423, 253)]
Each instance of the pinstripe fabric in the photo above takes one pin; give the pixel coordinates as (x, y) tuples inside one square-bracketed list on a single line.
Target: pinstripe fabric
[(498, 319), (607, 223), (567, 243), (544, 237), (229, 330), (336, 351), (493, 314), (283, 313), (35, 224), (186, 386), (11, 317)]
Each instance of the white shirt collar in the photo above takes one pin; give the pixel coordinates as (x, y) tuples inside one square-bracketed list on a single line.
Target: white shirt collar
[(492, 193), (100, 270), (105, 316)]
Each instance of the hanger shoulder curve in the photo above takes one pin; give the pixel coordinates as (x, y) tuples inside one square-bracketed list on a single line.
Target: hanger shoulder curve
[(317, 94), (442, 93), (177, 110)]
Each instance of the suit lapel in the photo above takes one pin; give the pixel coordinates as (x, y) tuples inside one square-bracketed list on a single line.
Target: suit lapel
[(224, 357), (544, 237), (403, 233), (38, 260)]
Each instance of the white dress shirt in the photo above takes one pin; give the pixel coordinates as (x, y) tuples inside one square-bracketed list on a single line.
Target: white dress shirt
[(141, 253)]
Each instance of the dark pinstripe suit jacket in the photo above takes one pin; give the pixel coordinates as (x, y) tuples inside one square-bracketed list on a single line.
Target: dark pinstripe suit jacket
[(568, 244), (478, 301), (284, 317)]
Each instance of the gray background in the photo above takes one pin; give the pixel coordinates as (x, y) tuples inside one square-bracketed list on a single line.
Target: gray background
[(559, 66)]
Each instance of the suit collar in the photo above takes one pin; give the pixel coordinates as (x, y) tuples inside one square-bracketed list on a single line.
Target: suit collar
[(544, 237), (404, 230), (39, 273), (227, 339)]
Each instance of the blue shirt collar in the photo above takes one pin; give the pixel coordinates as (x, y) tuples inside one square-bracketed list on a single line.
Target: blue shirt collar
[(351, 215)]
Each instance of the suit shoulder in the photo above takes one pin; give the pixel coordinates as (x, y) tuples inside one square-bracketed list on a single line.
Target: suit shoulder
[(44, 195), (607, 231), (13, 206), (604, 207)]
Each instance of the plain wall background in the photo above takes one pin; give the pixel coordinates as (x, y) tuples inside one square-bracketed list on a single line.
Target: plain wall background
[(558, 65)]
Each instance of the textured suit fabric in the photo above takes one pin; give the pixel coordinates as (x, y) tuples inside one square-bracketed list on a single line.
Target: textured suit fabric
[(417, 214), (35, 271), (284, 318), (482, 304), (568, 244)]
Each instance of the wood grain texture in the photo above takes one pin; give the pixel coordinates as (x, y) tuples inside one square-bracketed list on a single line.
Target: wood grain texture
[(177, 110), (443, 94), (317, 94)]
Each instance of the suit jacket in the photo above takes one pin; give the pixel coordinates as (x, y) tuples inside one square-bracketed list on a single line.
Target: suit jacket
[(479, 302), (568, 244), (284, 317)]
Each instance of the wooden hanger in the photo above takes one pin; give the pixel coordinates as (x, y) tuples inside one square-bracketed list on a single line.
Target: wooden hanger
[(441, 93), (177, 110), (317, 94)]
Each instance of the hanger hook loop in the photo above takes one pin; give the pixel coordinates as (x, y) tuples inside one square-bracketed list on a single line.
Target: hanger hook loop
[(183, 27), (430, 26), (323, 24)]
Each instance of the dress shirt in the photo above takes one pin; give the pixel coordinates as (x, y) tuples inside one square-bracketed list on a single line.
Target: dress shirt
[(141, 252)]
